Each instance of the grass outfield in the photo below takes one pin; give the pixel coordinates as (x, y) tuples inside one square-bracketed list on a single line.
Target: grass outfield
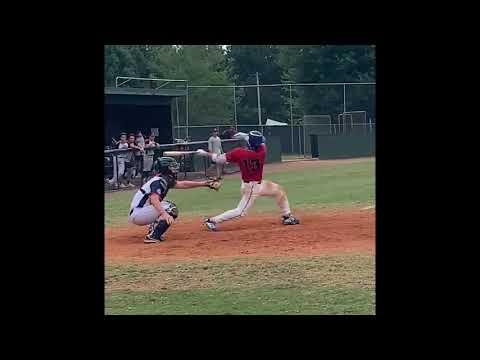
[(324, 285), (316, 285), (326, 186)]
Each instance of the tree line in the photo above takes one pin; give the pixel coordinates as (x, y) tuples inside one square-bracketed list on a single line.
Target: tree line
[(238, 64)]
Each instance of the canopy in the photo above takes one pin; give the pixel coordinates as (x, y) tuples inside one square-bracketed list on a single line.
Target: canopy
[(271, 122)]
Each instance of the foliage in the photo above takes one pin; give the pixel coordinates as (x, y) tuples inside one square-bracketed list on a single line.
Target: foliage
[(244, 61), (238, 64)]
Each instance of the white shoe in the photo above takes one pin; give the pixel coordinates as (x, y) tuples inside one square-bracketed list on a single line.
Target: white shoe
[(210, 225), (290, 220), (131, 185), (123, 186)]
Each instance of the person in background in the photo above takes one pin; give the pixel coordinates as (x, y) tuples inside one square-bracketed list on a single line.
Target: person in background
[(121, 158), (228, 134), (140, 145), (150, 146), (129, 163), (215, 147)]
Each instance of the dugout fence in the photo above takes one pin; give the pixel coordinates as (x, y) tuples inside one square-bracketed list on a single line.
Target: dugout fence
[(188, 163), (336, 109)]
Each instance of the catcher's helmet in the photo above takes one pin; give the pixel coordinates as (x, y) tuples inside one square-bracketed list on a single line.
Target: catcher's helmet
[(166, 165), (255, 139)]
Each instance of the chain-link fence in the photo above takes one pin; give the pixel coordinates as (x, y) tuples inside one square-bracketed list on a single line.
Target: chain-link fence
[(335, 109)]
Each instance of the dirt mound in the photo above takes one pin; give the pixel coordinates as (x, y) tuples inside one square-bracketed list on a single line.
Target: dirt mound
[(256, 235)]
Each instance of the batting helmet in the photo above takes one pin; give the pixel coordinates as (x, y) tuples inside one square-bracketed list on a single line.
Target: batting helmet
[(255, 139), (166, 165)]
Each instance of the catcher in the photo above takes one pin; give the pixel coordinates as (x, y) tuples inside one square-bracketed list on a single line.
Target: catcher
[(251, 162), (149, 206)]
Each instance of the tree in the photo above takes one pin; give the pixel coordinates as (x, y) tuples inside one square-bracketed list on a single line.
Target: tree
[(212, 65), (243, 62), (199, 64), (329, 63)]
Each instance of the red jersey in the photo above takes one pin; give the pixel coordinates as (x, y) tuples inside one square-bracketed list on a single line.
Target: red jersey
[(250, 162)]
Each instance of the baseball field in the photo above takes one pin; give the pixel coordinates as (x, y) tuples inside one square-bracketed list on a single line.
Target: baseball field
[(254, 265)]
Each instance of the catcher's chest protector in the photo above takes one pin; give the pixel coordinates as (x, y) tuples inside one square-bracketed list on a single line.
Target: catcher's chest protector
[(157, 184)]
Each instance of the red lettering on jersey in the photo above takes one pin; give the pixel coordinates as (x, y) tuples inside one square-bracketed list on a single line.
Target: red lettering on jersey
[(250, 162)]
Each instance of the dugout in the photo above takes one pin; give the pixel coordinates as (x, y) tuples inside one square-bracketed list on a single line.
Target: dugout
[(131, 109)]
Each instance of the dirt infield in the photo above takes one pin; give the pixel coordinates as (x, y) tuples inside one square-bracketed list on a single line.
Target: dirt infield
[(326, 232)]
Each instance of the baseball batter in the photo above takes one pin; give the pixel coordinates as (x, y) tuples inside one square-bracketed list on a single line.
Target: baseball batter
[(251, 163), (149, 206)]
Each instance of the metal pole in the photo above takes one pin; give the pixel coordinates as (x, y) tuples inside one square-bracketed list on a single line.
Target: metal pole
[(370, 121), (235, 109), (282, 84), (178, 119), (186, 116), (304, 154), (344, 100), (116, 175), (258, 102), (291, 115), (299, 141)]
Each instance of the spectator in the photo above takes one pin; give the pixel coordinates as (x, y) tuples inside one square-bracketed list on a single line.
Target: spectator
[(228, 134), (215, 146), (129, 162), (150, 146), (140, 145), (121, 158)]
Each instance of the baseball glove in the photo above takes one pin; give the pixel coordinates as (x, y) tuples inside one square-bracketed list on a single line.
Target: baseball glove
[(214, 184)]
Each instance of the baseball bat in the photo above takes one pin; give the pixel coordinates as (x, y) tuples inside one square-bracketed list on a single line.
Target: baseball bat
[(178, 153)]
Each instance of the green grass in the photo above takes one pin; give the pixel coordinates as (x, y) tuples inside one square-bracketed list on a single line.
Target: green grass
[(258, 301), (335, 185), (315, 285)]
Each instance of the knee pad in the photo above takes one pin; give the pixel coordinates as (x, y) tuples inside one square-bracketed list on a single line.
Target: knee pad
[(172, 209)]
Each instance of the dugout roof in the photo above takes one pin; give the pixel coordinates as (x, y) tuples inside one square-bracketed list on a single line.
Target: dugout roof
[(139, 96), (131, 109)]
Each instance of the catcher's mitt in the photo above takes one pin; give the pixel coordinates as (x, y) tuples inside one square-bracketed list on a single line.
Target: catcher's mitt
[(214, 184)]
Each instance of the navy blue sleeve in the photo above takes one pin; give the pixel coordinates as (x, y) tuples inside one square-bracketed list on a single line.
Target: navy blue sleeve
[(159, 187)]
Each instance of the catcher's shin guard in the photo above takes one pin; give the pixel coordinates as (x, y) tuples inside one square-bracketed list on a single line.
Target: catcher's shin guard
[(159, 228)]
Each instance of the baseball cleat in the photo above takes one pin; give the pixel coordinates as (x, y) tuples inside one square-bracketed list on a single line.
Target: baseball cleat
[(210, 225), (149, 239), (290, 220), (151, 227)]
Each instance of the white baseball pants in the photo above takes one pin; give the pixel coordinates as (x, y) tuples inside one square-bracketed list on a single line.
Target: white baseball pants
[(117, 171), (145, 215), (250, 191)]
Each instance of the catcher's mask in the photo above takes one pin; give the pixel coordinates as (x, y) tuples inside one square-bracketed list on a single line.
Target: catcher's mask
[(166, 165)]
